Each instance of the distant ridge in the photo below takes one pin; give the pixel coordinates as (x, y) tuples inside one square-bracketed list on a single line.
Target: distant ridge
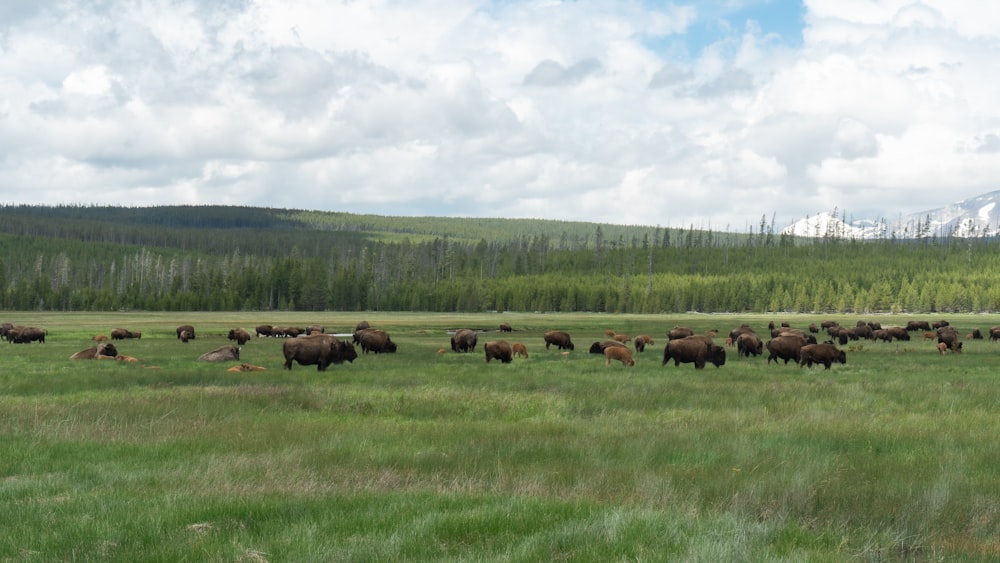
[(974, 217)]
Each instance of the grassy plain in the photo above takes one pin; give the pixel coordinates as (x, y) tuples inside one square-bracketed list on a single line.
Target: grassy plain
[(425, 456)]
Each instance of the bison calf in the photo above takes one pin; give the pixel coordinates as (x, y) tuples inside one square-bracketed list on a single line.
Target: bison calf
[(623, 355)]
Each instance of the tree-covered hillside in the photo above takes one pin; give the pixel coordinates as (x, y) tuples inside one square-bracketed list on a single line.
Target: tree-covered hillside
[(239, 258)]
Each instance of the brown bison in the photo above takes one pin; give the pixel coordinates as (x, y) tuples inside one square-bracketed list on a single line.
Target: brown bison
[(994, 333), (623, 355), (499, 350), (785, 347), (679, 332), (824, 354), (320, 350), (559, 338), (26, 334), (897, 333), (749, 344), (600, 346), (736, 332), (948, 335), (640, 342), (123, 334), (188, 329), (185, 336), (221, 354), (99, 338), (264, 330), (376, 341), (505, 327), (240, 335), (913, 326), (694, 349), (105, 349), (361, 326), (464, 340), (519, 349)]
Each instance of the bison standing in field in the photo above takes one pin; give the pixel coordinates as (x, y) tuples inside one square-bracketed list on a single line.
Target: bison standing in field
[(640, 342), (319, 350), (26, 334), (897, 333), (694, 349), (949, 336), (376, 341), (102, 350), (464, 340), (505, 327), (749, 344), (558, 338), (824, 354), (994, 333), (221, 354), (519, 349), (240, 335), (599, 346), (499, 350), (185, 333), (912, 326), (622, 354), (785, 347)]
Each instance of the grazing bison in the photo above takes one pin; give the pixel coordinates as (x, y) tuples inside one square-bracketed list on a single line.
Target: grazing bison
[(623, 338), (320, 350), (221, 354), (499, 350), (26, 334), (897, 333), (785, 347), (105, 350), (188, 329), (749, 344), (640, 342), (505, 327), (948, 335), (519, 349), (623, 355), (679, 332), (942, 348), (694, 349), (939, 324), (599, 347), (185, 336), (824, 354), (122, 334), (376, 341), (559, 338), (912, 326), (239, 335), (264, 330), (994, 333), (464, 340)]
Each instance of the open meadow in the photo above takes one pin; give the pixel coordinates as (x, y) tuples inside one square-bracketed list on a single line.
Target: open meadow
[(421, 455)]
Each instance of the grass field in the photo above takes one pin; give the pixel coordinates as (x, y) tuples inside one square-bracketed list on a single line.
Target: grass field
[(425, 456)]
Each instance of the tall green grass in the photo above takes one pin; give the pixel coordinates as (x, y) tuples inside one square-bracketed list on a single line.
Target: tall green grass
[(425, 456)]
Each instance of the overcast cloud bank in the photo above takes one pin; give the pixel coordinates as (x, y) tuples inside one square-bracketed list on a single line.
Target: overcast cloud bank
[(590, 110)]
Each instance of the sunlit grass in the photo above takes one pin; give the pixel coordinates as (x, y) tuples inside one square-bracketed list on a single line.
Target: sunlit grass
[(426, 456)]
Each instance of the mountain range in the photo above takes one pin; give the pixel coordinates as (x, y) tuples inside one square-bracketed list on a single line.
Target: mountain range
[(977, 216)]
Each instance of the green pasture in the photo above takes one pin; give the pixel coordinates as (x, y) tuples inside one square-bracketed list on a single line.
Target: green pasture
[(422, 455)]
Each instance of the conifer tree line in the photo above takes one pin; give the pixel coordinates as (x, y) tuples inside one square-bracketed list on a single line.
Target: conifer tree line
[(249, 259)]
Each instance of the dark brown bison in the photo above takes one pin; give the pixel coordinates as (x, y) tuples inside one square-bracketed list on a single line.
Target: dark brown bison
[(828, 324), (264, 330), (464, 340), (640, 342), (505, 327), (499, 350), (679, 332), (599, 346), (377, 342), (824, 354), (185, 336), (976, 334), (124, 334), (240, 335), (912, 326), (519, 349), (863, 331), (939, 324), (994, 333), (558, 338), (623, 355), (881, 334), (320, 350), (948, 335), (104, 349), (26, 334), (694, 349), (897, 333), (221, 354), (749, 344), (785, 347), (188, 329), (361, 326)]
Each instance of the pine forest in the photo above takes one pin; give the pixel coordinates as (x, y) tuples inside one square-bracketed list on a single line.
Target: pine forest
[(213, 258)]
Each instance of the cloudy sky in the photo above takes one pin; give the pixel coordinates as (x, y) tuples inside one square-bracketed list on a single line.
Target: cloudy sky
[(712, 113)]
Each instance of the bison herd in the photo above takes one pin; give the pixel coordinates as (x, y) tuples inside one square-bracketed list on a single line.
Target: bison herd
[(816, 345)]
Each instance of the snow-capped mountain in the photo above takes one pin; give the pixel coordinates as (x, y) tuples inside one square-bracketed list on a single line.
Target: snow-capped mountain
[(974, 217)]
